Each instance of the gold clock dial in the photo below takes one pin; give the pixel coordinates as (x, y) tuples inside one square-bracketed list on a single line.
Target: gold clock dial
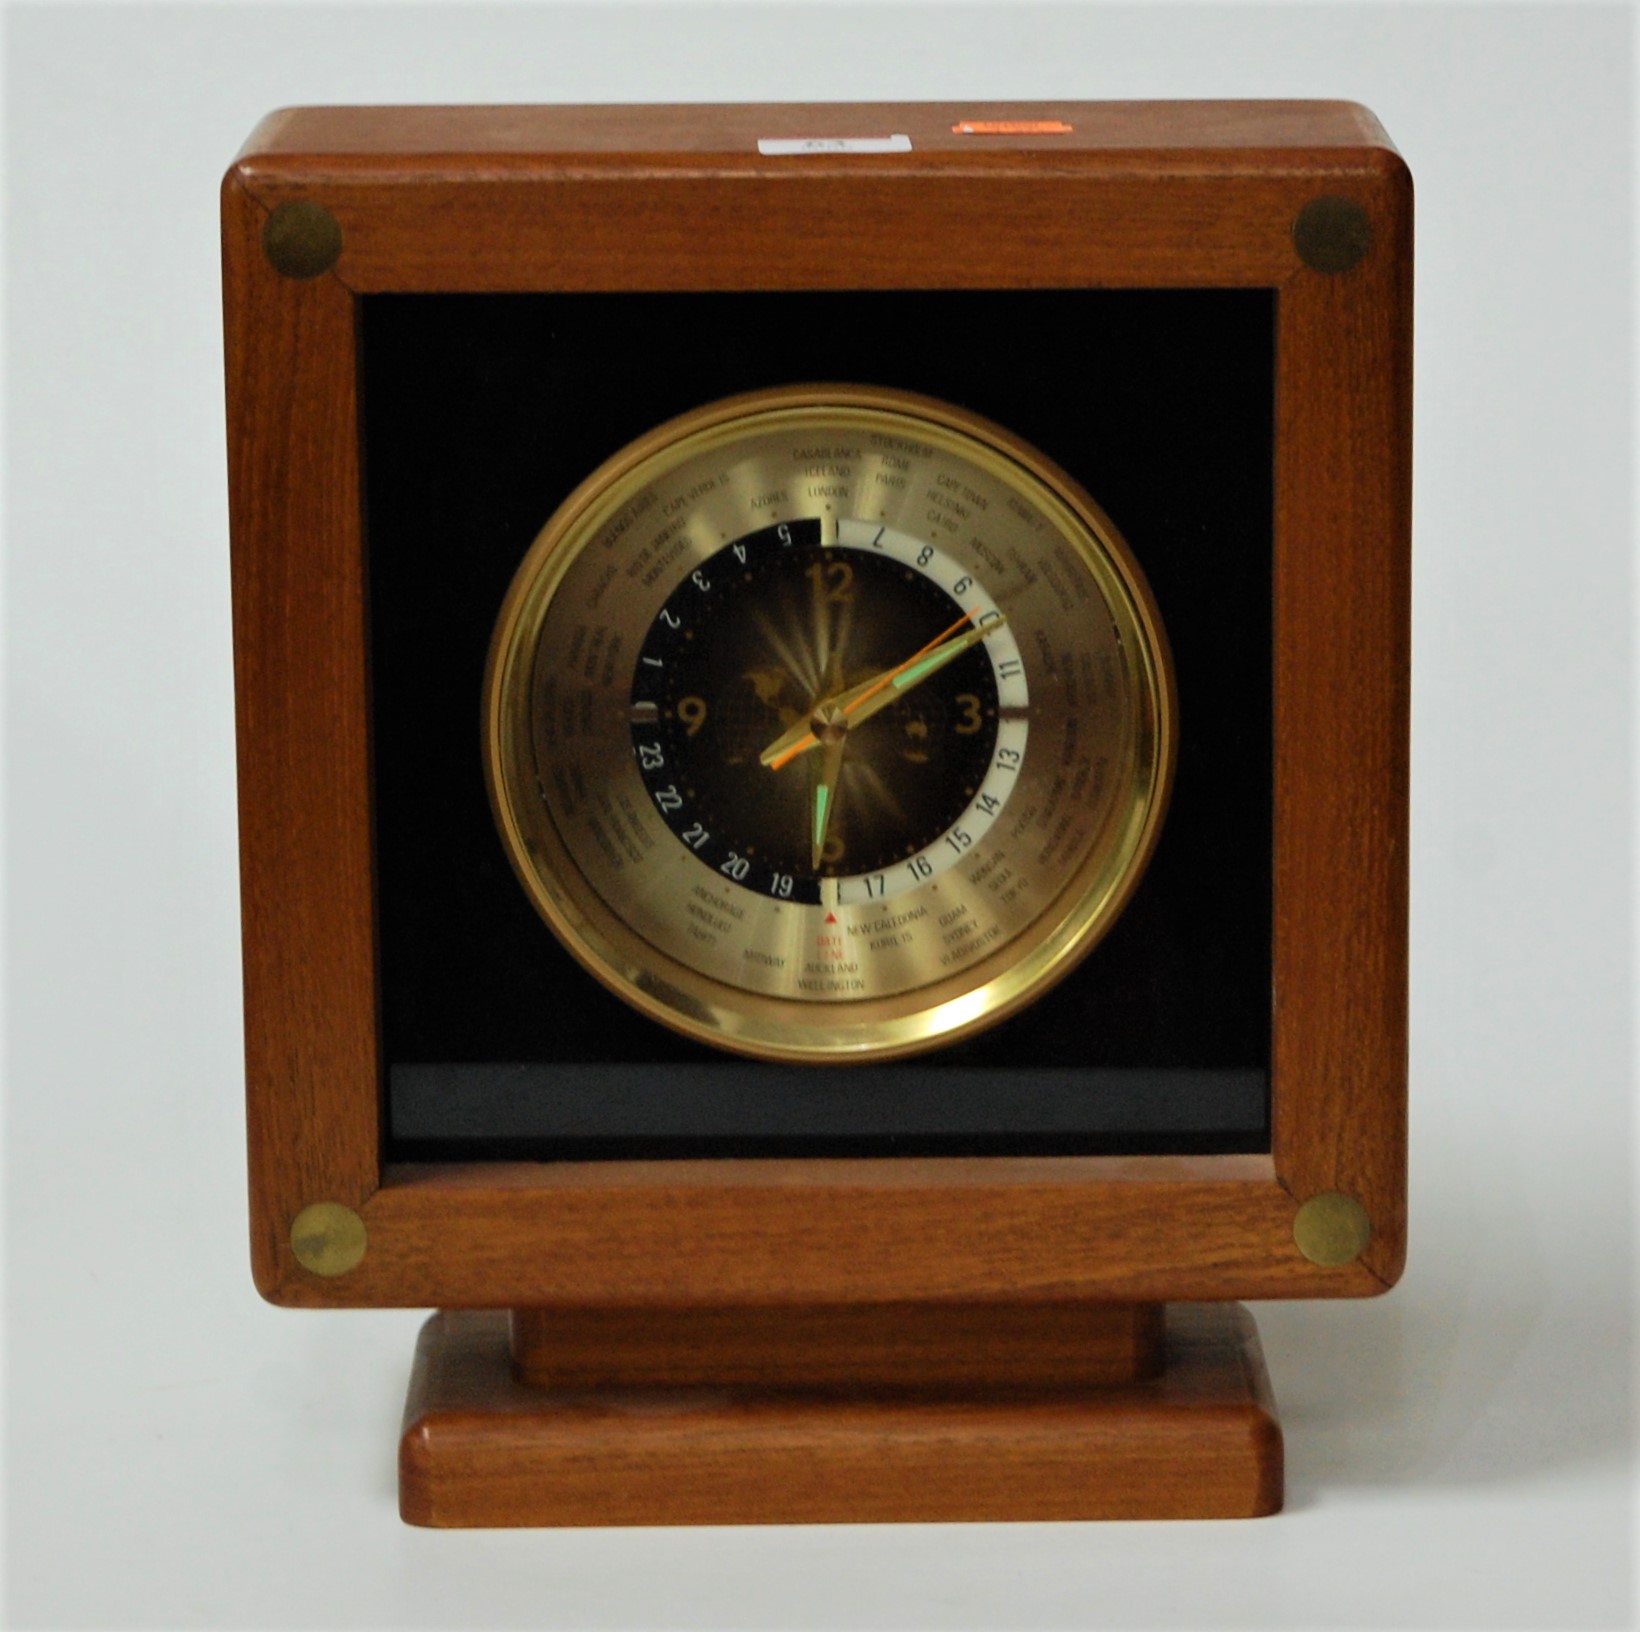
[(828, 723)]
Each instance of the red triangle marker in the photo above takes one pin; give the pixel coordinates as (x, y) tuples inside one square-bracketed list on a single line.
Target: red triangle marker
[(831, 917)]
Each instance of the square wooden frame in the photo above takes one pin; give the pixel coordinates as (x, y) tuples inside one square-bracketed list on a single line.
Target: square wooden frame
[(1184, 195)]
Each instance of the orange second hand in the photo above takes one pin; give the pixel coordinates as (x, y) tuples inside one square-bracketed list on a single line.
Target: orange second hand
[(791, 753)]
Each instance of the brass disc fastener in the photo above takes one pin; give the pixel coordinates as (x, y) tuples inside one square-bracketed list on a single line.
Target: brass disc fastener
[(1332, 1229), (1332, 234), (328, 1238), (301, 239)]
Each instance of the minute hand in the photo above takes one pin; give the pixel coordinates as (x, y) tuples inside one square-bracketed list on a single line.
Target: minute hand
[(919, 671), (861, 701)]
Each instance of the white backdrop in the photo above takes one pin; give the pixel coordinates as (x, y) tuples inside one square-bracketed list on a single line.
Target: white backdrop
[(180, 1455)]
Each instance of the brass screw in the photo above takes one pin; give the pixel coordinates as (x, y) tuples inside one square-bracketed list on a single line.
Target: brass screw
[(301, 239), (1332, 1229), (328, 1238), (1332, 234)]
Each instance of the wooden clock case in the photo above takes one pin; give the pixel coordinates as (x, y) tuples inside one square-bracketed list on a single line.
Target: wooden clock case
[(790, 1338)]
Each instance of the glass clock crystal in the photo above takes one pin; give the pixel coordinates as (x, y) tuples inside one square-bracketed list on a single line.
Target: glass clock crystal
[(828, 723)]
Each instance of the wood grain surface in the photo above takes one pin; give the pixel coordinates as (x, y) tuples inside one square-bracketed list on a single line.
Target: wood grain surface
[(307, 891), (1197, 1440), (874, 1345), (390, 139), (1343, 619)]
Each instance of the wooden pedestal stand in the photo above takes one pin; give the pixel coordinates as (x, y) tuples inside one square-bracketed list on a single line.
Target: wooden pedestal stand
[(895, 1412)]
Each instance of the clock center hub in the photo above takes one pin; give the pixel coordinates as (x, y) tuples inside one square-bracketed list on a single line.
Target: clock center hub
[(829, 722)]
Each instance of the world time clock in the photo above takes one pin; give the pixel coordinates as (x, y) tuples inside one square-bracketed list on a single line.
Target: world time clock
[(784, 772), (823, 834)]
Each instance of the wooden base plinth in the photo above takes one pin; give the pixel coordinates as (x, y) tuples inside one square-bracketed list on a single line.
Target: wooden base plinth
[(1196, 1439)]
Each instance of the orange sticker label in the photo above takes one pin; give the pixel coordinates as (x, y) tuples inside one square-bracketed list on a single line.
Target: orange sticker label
[(1012, 127)]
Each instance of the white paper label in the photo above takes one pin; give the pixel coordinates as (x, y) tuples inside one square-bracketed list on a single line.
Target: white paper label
[(776, 145)]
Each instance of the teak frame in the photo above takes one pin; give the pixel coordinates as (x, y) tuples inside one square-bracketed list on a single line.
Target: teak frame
[(531, 199)]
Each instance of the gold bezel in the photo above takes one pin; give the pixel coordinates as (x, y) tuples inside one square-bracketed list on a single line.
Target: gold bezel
[(770, 1027)]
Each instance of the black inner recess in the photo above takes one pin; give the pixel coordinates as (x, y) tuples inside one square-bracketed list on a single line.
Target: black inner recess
[(482, 412)]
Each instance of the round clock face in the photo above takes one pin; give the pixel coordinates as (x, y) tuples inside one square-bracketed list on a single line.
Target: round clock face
[(828, 724)]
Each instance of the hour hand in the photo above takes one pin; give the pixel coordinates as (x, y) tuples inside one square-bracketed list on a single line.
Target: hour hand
[(802, 731)]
